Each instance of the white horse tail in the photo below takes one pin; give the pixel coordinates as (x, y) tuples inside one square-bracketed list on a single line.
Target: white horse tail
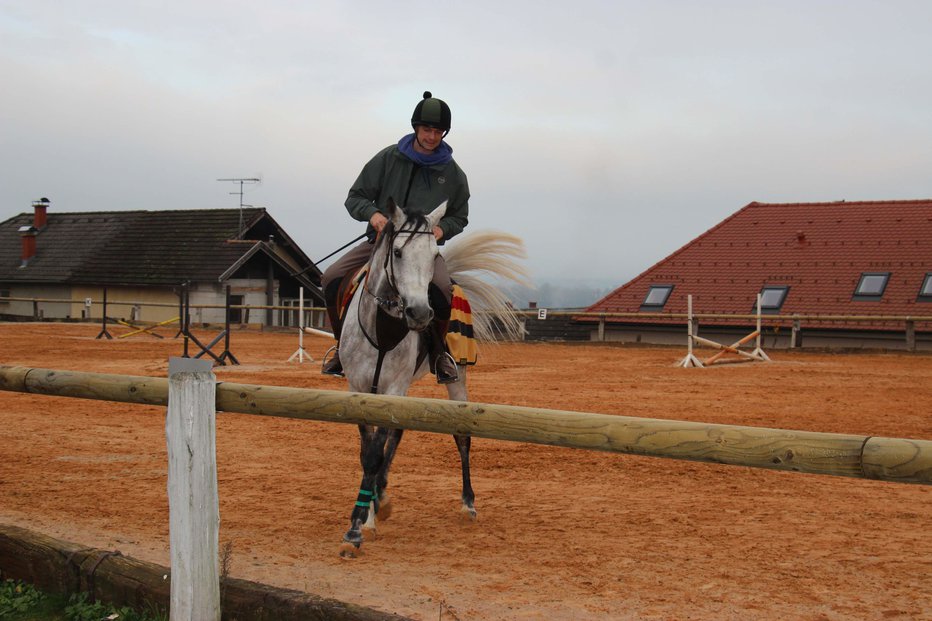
[(489, 253)]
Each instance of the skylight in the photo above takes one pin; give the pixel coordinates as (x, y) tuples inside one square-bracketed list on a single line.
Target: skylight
[(925, 293), (772, 298), (656, 297), (871, 286)]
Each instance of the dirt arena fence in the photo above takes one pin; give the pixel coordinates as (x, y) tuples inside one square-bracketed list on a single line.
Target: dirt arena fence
[(896, 332), (192, 396)]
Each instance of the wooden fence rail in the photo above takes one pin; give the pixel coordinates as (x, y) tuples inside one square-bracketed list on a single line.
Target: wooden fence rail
[(887, 459)]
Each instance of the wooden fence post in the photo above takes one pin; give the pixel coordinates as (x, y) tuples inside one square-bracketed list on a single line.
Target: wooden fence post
[(193, 504), (910, 335)]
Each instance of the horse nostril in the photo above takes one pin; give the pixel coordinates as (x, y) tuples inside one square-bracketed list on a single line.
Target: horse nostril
[(419, 315)]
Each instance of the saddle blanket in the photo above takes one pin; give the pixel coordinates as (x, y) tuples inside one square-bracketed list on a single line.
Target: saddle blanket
[(460, 340)]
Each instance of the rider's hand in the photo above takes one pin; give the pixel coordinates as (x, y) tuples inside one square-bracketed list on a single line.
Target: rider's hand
[(378, 221), (438, 233)]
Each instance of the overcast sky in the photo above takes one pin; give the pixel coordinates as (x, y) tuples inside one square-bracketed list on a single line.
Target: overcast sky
[(606, 134)]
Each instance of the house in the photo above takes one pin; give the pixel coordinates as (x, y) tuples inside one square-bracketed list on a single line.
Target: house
[(867, 261), (68, 260)]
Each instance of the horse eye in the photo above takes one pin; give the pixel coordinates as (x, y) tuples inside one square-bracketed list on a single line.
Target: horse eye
[(397, 253)]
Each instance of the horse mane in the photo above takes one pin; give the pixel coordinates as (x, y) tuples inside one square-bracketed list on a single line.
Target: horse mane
[(489, 253)]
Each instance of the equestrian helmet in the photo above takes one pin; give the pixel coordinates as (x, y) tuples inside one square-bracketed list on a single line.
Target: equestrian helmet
[(432, 112)]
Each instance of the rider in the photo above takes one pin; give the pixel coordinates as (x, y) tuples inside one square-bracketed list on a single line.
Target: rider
[(418, 174)]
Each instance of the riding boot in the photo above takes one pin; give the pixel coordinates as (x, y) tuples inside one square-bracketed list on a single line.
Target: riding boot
[(442, 363), (332, 365)]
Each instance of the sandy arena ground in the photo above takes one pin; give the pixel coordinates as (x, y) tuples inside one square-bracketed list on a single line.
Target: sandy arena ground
[(561, 534)]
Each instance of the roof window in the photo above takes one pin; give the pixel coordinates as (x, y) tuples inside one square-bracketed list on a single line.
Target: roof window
[(925, 293), (656, 297), (772, 298), (871, 286)]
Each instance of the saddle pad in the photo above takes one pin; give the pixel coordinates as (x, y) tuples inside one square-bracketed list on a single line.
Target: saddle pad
[(348, 288), (460, 339)]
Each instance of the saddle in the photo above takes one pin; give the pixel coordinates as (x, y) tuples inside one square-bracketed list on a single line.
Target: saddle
[(460, 341)]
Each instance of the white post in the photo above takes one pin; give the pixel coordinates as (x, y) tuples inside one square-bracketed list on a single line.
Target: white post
[(690, 360), (300, 354), (758, 350), (193, 504)]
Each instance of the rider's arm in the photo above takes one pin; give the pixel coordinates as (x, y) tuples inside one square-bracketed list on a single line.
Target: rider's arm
[(457, 216), (362, 197)]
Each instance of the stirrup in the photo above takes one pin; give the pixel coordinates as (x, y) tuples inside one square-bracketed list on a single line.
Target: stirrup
[(449, 379), (332, 365)]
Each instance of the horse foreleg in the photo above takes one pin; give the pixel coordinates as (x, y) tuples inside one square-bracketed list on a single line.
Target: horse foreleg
[(457, 392), (391, 445), (468, 510), (371, 453)]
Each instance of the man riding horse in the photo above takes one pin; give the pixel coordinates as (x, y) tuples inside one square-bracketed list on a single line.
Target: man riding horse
[(418, 173)]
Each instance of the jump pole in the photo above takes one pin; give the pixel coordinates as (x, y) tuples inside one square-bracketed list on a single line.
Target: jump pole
[(890, 459), (323, 333), (300, 354), (758, 353)]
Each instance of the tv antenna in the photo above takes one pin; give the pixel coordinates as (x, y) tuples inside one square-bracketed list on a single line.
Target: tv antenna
[(241, 181)]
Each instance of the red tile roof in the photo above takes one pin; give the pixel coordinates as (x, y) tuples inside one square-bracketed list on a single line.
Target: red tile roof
[(818, 250)]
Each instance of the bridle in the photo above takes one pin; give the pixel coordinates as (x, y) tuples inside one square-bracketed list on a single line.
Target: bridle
[(393, 300)]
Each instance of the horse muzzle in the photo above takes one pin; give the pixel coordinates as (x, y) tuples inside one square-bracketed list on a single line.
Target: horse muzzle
[(418, 317)]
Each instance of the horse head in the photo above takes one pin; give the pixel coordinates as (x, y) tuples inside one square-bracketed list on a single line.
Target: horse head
[(409, 254)]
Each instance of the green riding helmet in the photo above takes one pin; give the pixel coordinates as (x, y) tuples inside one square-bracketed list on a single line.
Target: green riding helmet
[(432, 112)]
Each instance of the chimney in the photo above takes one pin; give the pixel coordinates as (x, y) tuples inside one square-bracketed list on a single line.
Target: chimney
[(41, 207), (28, 235)]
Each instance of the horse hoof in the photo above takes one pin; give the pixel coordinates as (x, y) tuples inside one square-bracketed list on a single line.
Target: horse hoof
[(468, 514), (350, 550), (385, 509)]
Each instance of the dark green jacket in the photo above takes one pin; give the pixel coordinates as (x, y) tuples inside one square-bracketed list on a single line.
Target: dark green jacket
[(419, 190)]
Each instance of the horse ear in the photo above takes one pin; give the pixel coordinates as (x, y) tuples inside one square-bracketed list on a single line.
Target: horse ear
[(434, 217), (395, 214)]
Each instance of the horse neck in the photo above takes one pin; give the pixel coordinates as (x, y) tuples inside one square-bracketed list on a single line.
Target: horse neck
[(377, 281), (375, 285)]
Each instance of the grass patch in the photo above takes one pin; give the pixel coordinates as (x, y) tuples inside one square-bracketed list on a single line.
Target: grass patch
[(23, 602)]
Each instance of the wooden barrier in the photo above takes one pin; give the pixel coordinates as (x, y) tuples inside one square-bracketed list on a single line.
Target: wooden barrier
[(886, 459), (146, 329), (193, 396), (58, 566), (691, 337)]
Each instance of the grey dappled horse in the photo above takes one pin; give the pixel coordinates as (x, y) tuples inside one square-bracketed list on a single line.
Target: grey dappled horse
[(382, 348)]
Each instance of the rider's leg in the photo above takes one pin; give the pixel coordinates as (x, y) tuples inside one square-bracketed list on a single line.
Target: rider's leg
[(333, 366), (440, 292), (330, 283)]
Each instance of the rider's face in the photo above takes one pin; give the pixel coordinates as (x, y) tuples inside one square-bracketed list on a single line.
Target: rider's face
[(428, 139)]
